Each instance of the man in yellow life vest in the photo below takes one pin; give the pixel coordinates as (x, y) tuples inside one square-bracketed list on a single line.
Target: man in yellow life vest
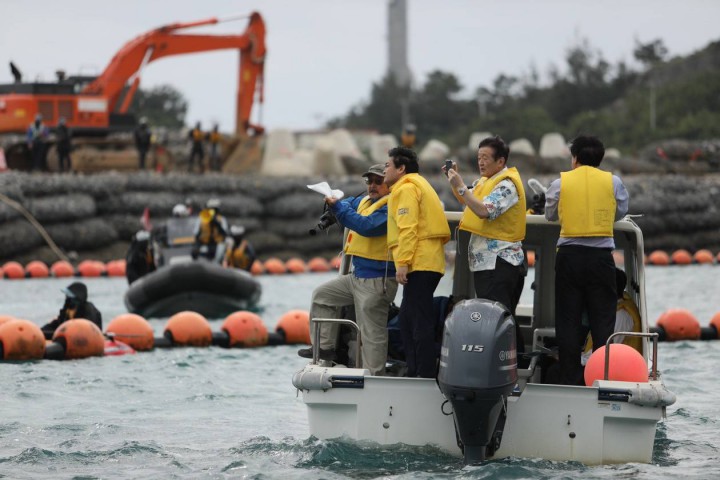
[(417, 233), (197, 137), (627, 319), (587, 201), (210, 232), (495, 216), (371, 286), (240, 253), (214, 138)]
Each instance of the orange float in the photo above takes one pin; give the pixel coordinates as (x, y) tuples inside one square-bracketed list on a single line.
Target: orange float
[(91, 268), (189, 329), (679, 324), (115, 268), (61, 269), (6, 318), (318, 264), (681, 257), (335, 262), (257, 268), (531, 258), (81, 339), (13, 270), (626, 365), (296, 265), (658, 257), (132, 329), (714, 322), (295, 326), (245, 329), (2, 273), (704, 256), (22, 340), (275, 266), (37, 269)]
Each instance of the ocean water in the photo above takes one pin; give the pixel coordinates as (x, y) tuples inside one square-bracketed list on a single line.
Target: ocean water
[(190, 413)]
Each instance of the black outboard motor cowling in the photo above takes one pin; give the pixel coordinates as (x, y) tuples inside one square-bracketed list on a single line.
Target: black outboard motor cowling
[(478, 370)]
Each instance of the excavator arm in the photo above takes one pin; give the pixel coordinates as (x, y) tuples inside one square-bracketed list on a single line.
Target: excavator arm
[(121, 78)]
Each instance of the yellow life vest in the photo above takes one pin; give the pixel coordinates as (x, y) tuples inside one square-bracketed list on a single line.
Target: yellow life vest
[(374, 248), (431, 218), (587, 203), (214, 137), (238, 257), (407, 139), (197, 135), (209, 232), (510, 226), (629, 306)]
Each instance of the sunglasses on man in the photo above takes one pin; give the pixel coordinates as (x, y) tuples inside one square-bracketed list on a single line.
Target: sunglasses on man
[(375, 180)]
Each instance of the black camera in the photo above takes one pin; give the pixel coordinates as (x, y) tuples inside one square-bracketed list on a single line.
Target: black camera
[(538, 203), (448, 166), (326, 220)]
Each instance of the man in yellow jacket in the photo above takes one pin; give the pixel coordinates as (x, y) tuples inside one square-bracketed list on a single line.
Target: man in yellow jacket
[(417, 233), (587, 201), (495, 216)]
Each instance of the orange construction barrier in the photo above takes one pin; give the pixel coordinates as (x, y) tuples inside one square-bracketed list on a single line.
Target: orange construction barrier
[(189, 329), (115, 268), (679, 324), (626, 365), (37, 269), (295, 325), (318, 264), (245, 329), (61, 268), (91, 268), (681, 257), (257, 268), (132, 329)]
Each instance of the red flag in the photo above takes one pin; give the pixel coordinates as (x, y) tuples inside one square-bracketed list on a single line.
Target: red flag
[(145, 219)]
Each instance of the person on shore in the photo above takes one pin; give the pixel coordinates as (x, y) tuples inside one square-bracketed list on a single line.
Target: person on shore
[(407, 138), (197, 138), (76, 306), (240, 252), (211, 230), (142, 141), (37, 136), (214, 138), (371, 287), (495, 216), (417, 233), (64, 145), (587, 201)]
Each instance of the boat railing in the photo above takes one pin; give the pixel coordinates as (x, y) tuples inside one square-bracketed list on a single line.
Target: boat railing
[(339, 321), (654, 337)]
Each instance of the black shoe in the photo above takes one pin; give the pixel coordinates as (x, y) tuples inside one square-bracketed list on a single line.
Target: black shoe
[(324, 354)]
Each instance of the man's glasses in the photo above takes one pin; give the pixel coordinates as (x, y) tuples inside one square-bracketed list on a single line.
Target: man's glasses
[(376, 180)]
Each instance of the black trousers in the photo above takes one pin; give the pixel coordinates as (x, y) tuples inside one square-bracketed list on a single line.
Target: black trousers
[(503, 284), (65, 163), (141, 158), (584, 282), (417, 323)]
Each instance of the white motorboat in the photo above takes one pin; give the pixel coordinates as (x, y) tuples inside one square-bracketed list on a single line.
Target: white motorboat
[(496, 405)]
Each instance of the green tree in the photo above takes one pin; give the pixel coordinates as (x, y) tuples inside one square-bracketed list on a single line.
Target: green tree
[(163, 106)]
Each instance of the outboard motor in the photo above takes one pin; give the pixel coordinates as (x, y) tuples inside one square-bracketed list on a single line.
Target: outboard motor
[(478, 370)]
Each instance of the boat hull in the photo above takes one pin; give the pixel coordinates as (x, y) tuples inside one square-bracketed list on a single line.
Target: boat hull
[(553, 422), (199, 286)]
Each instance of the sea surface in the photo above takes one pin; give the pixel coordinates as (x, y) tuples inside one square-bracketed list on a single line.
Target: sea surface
[(212, 413)]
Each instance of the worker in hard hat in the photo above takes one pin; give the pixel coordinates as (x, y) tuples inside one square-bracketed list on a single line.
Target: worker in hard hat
[(240, 253), (143, 139), (197, 136), (210, 232)]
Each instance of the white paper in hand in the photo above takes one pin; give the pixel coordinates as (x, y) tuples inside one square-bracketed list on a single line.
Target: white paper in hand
[(326, 191)]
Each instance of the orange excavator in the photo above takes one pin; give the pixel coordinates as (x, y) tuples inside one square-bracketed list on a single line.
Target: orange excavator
[(98, 106)]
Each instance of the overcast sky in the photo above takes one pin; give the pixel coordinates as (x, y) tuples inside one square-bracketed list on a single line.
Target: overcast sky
[(323, 55)]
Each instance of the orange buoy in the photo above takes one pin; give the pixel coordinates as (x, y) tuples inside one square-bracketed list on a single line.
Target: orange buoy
[(618, 257), (335, 262), (6, 318), (681, 257), (189, 329), (61, 269), (275, 266), (531, 258), (132, 329), (714, 322), (295, 325), (658, 257), (37, 269), (245, 329), (318, 264), (22, 340), (81, 338), (704, 256), (257, 268), (91, 268), (296, 265), (2, 273), (13, 270), (115, 268), (626, 365), (679, 324)]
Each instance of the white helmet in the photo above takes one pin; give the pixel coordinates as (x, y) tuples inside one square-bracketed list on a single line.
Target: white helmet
[(180, 210)]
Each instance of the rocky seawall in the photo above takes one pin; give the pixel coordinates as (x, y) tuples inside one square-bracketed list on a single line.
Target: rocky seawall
[(94, 216)]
